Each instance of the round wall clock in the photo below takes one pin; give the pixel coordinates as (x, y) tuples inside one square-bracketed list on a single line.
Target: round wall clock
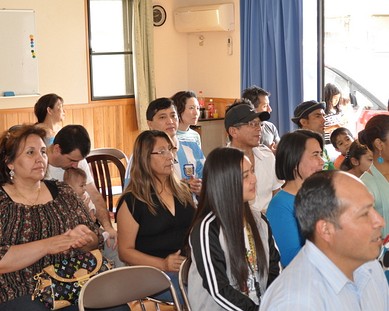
[(159, 15)]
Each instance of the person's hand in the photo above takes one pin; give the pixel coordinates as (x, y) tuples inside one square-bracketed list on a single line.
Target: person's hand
[(112, 240), (173, 262), (71, 239), (194, 185), (82, 234)]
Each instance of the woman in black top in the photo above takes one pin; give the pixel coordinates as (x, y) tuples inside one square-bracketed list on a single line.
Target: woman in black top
[(156, 210)]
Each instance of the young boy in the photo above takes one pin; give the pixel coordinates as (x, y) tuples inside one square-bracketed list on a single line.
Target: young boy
[(76, 179), (341, 138)]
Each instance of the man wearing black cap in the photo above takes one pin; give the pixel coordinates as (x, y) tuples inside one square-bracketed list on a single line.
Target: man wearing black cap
[(243, 125), (309, 115)]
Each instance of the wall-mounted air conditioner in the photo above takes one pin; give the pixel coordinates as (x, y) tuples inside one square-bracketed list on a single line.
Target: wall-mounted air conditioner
[(215, 17)]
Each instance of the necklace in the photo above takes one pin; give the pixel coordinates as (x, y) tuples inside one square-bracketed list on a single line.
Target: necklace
[(28, 200)]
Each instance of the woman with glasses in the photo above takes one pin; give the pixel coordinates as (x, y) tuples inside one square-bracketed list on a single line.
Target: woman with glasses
[(298, 156), (156, 209)]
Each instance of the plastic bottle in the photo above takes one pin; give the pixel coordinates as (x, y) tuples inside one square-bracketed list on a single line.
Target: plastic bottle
[(201, 99), (216, 114), (211, 108)]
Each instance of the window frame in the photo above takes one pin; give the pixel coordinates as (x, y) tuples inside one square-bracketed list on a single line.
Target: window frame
[(127, 24)]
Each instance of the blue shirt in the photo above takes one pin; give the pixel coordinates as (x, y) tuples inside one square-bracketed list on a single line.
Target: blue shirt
[(313, 282), (283, 223)]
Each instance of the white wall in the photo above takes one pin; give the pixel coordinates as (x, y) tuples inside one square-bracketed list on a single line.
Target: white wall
[(61, 50), (181, 63)]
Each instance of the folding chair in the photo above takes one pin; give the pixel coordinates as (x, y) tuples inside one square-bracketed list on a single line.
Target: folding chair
[(121, 285), (183, 282)]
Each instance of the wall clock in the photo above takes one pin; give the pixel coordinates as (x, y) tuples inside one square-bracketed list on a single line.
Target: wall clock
[(159, 15)]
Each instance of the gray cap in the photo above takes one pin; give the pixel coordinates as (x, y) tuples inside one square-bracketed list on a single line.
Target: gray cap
[(305, 108)]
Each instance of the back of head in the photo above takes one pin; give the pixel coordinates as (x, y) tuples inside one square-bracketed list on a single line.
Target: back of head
[(376, 127), (44, 102), (317, 200), (252, 93), (179, 100), (72, 137), (356, 151), (10, 142), (157, 105), (339, 131), (290, 150), (72, 173)]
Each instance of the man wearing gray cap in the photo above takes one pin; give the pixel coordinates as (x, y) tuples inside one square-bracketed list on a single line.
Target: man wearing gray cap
[(243, 125), (309, 115)]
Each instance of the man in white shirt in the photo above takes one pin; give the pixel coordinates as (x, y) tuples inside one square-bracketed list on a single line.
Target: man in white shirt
[(337, 268), (70, 147), (243, 125)]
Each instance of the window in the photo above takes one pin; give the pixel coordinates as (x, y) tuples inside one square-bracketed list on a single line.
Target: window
[(110, 49)]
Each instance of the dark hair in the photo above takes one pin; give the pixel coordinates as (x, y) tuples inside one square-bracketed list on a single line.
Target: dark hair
[(157, 105), (222, 194), (337, 132), (252, 93), (179, 100), (10, 142), (46, 101), (316, 200), (330, 90), (357, 150), (290, 150), (376, 127), (72, 137)]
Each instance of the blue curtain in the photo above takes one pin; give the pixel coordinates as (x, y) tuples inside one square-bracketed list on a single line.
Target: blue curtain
[(271, 54)]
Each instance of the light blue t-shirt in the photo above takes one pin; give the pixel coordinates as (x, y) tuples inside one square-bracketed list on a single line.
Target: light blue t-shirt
[(378, 185), (284, 225), (189, 135)]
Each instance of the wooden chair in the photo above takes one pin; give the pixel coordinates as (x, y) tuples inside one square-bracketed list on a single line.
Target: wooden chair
[(102, 167), (183, 282), (112, 151), (122, 285)]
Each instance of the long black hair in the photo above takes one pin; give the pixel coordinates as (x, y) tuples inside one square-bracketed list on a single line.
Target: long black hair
[(222, 194)]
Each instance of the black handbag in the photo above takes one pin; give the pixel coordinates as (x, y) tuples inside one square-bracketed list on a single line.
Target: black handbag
[(59, 285)]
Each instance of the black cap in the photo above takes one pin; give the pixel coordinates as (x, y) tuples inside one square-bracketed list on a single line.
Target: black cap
[(243, 113), (305, 108)]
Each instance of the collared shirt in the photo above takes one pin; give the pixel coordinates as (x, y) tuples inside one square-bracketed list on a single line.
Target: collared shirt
[(267, 181), (313, 282)]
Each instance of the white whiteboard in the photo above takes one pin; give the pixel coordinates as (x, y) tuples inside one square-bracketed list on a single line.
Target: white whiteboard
[(18, 54)]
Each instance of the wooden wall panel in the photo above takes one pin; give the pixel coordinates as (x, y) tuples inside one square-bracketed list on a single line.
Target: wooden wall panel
[(109, 123)]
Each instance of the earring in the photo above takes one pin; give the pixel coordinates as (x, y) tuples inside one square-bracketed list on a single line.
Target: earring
[(11, 174), (380, 159)]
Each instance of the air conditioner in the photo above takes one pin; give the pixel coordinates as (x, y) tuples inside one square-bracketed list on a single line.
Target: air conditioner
[(216, 17)]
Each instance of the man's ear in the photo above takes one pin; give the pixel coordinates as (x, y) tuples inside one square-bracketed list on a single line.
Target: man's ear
[(57, 149), (324, 230), (149, 124), (232, 131), (303, 122)]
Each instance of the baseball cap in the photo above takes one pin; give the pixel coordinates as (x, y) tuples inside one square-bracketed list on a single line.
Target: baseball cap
[(243, 113), (305, 108)]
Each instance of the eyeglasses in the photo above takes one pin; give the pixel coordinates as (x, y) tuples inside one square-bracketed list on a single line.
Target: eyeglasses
[(253, 124), (165, 152)]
